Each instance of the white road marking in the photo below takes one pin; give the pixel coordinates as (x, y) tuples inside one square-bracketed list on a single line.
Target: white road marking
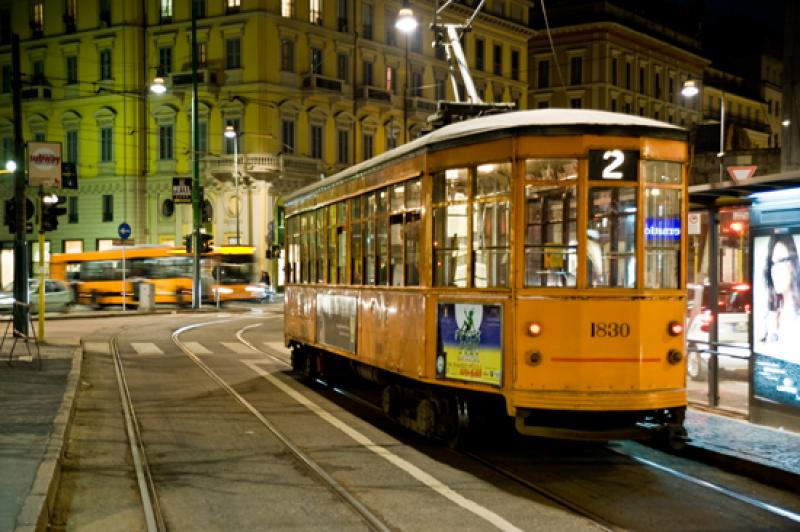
[(277, 346), (96, 347), (238, 348), (146, 348), (425, 478), (197, 348)]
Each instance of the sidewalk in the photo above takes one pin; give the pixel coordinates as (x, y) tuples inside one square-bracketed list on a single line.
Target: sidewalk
[(36, 408)]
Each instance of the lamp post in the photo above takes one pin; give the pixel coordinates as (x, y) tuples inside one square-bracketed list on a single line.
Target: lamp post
[(406, 23), (230, 132), (159, 87), (690, 90)]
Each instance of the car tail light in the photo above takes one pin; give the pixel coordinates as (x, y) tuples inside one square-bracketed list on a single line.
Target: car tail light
[(675, 328), (534, 328), (706, 323)]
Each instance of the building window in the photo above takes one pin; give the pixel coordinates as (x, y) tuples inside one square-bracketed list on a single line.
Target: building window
[(287, 8), (108, 208), (657, 87), (231, 142), (166, 142), (287, 55), (71, 146), (316, 142), (391, 31), (671, 89), (37, 17), (165, 61), (8, 148), (69, 16), (416, 84), (390, 80), (366, 146), (202, 138), (287, 136), (233, 57), (515, 65), (342, 66), (105, 12), (480, 53), (232, 6), (628, 74), (614, 104), (366, 21), (72, 210), (439, 92), (106, 145), (642, 80), (72, 70), (315, 12), (165, 10), (543, 74), (391, 137), (316, 61), (6, 73), (105, 64), (342, 15), (199, 8), (366, 67), (614, 71), (576, 70), (343, 146), (498, 59), (575, 103), (38, 73)]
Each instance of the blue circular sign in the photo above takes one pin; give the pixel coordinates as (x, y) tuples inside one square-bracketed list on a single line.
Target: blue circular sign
[(124, 231)]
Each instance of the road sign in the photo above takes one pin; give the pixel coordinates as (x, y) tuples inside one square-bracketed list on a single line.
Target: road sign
[(741, 173), (182, 189), (44, 164), (124, 231), (693, 223), (122, 242)]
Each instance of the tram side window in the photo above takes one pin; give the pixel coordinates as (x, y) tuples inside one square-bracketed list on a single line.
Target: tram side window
[(450, 224), (369, 240), (101, 270), (356, 258), (382, 236), (611, 237), (551, 169), (404, 233), (292, 249), (413, 231), (341, 241), (662, 229), (490, 222), (320, 236), (550, 236), (333, 240)]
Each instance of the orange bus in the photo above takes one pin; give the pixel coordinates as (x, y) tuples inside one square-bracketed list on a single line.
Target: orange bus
[(111, 277)]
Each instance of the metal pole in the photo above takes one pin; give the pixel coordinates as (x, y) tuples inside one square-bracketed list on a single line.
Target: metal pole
[(20, 245), (196, 287), (721, 134), (236, 180), (405, 96), (41, 265)]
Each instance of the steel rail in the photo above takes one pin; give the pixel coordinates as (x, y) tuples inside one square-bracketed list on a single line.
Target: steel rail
[(144, 479), (372, 520)]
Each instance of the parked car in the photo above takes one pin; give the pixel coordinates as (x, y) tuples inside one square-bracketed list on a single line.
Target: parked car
[(58, 296), (733, 352)]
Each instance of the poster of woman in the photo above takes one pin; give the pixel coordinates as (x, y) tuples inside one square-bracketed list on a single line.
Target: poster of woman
[(776, 317)]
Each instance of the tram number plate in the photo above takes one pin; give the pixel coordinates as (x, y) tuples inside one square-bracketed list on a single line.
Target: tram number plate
[(610, 329)]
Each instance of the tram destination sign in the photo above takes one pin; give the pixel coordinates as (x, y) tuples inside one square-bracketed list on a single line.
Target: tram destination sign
[(613, 165)]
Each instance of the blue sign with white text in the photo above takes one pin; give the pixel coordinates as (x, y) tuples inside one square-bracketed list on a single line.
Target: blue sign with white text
[(662, 229)]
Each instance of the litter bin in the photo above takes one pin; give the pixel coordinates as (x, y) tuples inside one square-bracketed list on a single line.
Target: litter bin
[(147, 297)]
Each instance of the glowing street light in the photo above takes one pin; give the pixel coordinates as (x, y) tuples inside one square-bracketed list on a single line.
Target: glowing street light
[(230, 132), (407, 24), (690, 90)]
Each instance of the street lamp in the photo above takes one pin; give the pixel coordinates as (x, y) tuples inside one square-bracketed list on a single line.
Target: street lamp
[(690, 90), (230, 132), (407, 24)]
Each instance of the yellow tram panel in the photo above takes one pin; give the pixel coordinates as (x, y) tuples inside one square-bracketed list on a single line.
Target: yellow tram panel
[(598, 345)]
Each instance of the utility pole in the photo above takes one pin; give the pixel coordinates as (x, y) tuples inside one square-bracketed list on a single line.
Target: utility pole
[(20, 312)]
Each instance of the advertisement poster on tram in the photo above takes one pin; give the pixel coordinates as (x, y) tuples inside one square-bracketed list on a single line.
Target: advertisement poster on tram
[(776, 317), (470, 342), (336, 321)]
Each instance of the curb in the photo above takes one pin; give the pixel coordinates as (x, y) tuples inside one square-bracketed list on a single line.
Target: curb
[(39, 504)]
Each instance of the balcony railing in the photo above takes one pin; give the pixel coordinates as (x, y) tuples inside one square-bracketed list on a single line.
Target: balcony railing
[(317, 81), (185, 78), (376, 94)]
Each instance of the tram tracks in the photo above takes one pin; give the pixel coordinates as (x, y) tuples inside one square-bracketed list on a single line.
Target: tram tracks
[(525, 480)]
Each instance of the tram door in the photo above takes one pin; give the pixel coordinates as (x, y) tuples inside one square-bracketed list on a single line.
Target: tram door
[(718, 368)]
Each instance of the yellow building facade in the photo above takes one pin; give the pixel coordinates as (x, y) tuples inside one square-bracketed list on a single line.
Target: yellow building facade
[(308, 86)]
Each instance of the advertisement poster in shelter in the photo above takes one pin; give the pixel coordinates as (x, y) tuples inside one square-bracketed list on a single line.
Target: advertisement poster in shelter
[(776, 317), (336, 321), (470, 342)]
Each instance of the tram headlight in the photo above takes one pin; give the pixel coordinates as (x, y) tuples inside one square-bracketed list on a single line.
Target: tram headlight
[(534, 328), (674, 356), (675, 328)]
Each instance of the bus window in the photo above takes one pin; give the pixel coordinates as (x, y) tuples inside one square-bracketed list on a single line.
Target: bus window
[(611, 237)]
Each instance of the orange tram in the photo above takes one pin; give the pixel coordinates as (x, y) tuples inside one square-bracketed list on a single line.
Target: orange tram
[(523, 266)]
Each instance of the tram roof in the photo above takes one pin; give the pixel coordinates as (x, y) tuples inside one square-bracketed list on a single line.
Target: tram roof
[(553, 121)]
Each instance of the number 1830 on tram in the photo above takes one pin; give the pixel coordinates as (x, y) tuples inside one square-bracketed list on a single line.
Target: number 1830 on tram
[(524, 266)]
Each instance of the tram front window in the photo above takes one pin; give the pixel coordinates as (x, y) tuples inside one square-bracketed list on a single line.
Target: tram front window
[(550, 236), (611, 237)]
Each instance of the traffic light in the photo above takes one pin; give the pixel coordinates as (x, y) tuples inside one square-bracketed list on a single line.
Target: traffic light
[(187, 242), (51, 212), (206, 242)]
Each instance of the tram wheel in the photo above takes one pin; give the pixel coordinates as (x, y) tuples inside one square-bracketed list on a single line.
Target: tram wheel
[(93, 301), (309, 369), (459, 433), (391, 401), (427, 417)]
